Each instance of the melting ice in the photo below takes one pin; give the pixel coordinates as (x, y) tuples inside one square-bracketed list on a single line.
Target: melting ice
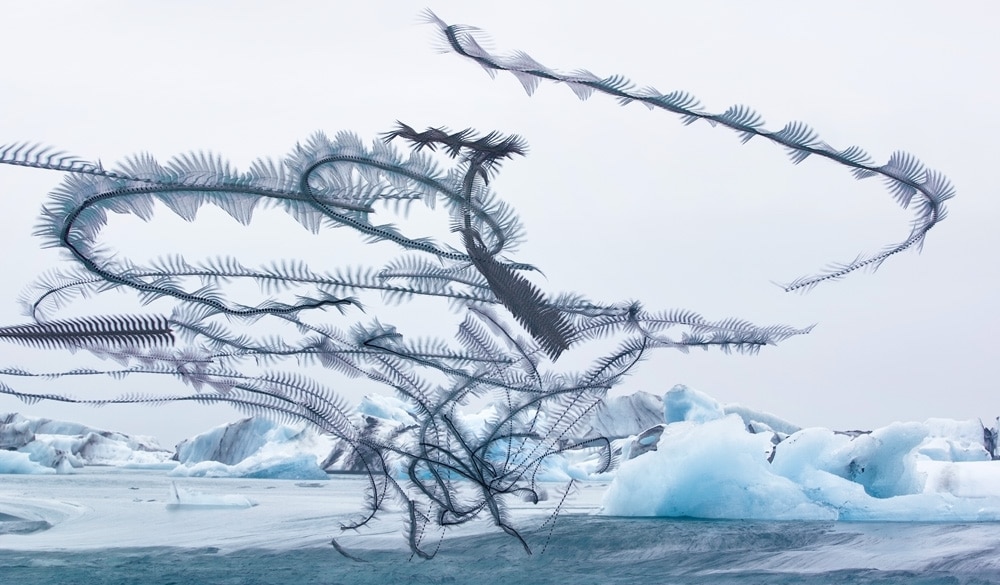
[(682, 455), (710, 461)]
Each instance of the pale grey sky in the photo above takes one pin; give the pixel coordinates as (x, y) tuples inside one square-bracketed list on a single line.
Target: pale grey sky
[(619, 203)]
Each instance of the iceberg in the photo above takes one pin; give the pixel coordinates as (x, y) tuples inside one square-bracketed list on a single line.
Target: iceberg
[(710, 461), (18, 462), (621, 416), (255, 448), (52, 446), (260, 448)]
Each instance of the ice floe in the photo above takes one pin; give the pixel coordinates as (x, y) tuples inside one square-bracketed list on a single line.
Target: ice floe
[(707, 461)]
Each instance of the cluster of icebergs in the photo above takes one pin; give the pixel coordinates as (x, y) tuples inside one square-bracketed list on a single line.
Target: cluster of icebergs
[(40, 445), (680, 455), (710, 461)]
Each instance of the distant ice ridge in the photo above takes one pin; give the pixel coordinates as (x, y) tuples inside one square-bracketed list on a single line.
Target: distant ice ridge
[(256, 448), (710, 461), (40, 445), (184, 498), (259, 448)]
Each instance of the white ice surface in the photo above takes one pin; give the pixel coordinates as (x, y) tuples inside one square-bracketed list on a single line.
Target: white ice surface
[(61, 446), (710, 461), (109, 508), (18, 462), (386, 407), (181, 498), (255, 448), (709, 464)]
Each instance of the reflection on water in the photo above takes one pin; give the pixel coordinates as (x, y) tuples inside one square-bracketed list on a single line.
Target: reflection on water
[(582, 549)]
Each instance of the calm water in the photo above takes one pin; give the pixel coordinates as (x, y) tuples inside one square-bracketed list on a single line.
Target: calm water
[(581, 550)]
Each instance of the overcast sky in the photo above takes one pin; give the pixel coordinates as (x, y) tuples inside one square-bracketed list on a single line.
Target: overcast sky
[(619, 203)]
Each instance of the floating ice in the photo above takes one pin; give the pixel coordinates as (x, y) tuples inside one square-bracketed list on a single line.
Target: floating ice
[(387, 408), (708, 464), (183, 498), (621, 416), (714, 469), (686, 455), (63, 446), (256, 448), (16, 462), (289, 465)]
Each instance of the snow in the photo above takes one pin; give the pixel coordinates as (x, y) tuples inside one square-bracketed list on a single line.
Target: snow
[(705, 463)]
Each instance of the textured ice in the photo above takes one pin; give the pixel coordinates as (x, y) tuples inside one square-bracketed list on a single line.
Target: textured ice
[(185, 498), (686, 455), (386, 407), (255, 448), (681, 403), (25, 515), (705, 463), (63, 446), (17, 462), (259, 448), (622, 416)]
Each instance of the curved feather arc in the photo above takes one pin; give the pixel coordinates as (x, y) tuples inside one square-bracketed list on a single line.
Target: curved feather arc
[(904, 175)]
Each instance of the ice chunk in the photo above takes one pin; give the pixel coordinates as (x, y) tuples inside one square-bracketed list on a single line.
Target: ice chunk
[(15, 431), (290, 465), (622, 416), (16, 462), (684, 403), (681, 403), (951, 440), (758, 422), (183, 498), (66, 445), (255, 447), (228, 444), (884, 462), (711, 470), (387, 408), (705, 466)]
